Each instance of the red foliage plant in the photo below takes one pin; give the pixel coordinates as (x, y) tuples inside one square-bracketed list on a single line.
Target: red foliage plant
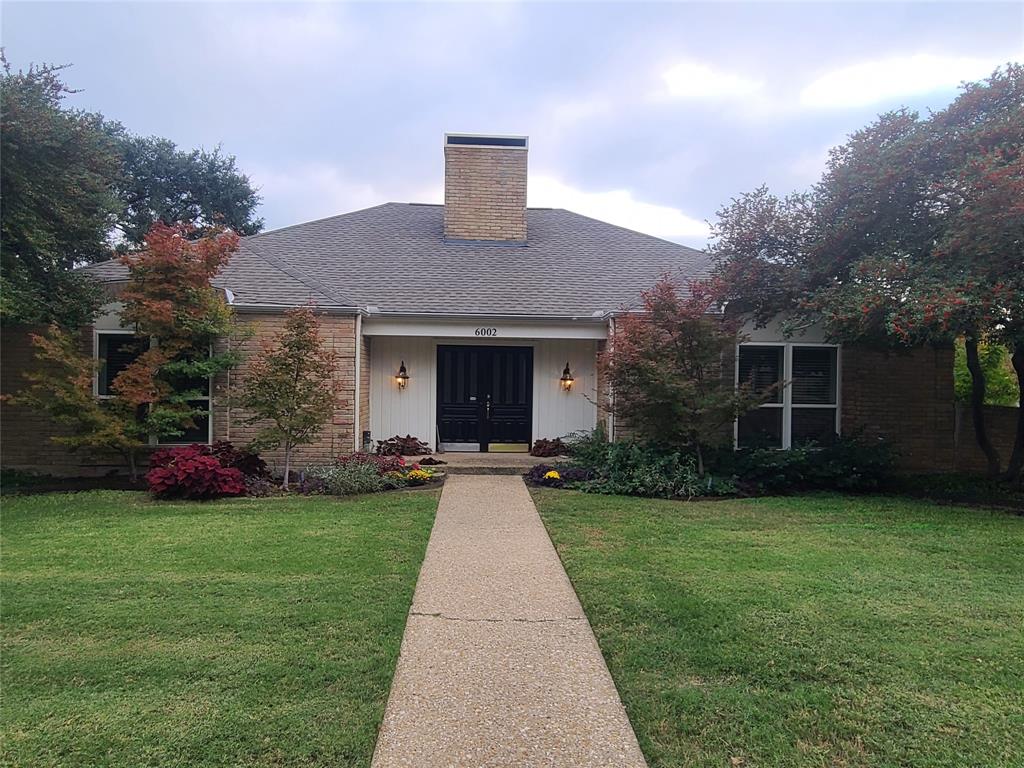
[(192, 472), (383, 463)]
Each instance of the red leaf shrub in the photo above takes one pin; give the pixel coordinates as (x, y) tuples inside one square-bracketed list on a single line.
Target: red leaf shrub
[(192, 472), (384, 464), (544, 447), (248, 462), (402, 446)]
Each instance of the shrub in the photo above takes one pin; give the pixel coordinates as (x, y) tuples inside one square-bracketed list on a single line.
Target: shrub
[(637, 471), (544, 447), (849, 464), (588, 449), (402, 446), (383, 463), (572, 476), (192, 472), (309, 486), (261, 487), (347, 479), (245, 460)]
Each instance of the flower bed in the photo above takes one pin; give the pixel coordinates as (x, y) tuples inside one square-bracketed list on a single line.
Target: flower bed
[(633, 469)]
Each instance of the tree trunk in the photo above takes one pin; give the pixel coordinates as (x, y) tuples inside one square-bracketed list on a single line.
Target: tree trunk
[(133, 469), (287, 464), (700, 461), (978, 405), (1013, 471)]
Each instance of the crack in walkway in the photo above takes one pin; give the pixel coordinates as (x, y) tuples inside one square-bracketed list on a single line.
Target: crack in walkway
[(498, 620)]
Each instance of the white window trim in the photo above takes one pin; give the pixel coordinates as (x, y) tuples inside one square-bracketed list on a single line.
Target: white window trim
[(787, 391), (96, 333)]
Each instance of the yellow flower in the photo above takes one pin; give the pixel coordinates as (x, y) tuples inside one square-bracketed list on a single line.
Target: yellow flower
[(419, 476), (552, 475)]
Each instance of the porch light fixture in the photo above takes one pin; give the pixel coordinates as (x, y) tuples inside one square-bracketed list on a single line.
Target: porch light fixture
[(567, 379), (402, 377)]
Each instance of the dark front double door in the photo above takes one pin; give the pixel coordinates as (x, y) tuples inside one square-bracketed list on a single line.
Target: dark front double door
[(484, 397)]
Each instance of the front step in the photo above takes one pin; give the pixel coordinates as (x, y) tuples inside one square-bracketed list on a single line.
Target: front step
[(481, 469)]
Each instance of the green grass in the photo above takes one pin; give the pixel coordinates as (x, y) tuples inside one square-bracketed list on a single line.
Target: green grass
[(811, 631), (245, 632)]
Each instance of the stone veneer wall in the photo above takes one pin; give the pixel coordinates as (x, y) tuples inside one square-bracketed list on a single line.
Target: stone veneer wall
[(485, 193)]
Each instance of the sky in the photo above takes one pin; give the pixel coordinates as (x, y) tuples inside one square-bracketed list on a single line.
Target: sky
[(651, 116)]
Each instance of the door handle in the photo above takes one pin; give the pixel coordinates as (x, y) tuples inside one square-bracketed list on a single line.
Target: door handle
[(487, 408)]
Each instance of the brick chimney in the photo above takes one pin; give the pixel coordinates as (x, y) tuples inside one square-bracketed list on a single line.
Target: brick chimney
[(485, 187)]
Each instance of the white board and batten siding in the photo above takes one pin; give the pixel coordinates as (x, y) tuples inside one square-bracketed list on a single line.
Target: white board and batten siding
[(556, 413)]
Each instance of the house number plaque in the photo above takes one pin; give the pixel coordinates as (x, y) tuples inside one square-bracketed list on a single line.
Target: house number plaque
[(486, 332)]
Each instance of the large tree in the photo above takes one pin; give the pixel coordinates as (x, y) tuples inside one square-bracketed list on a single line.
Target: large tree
[(76, 188), (161, 183), (915, 234), (57, 203)]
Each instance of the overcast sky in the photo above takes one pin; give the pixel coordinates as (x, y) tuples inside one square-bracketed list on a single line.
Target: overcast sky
[(647, 115)]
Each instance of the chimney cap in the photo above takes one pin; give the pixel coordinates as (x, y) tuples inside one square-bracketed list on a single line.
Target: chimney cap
[(490, 140)]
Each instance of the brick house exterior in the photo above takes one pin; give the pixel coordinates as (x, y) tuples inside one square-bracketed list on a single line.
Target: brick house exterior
[(485, 302)]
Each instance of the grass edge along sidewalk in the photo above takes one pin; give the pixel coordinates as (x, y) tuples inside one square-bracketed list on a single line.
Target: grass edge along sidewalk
[(804, 631), (244, 631)]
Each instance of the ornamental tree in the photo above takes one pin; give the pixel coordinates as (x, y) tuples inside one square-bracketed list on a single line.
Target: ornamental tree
[(290, 390), (178, 316), (170, 301), (62, 388), (915, 234), (665, 369)]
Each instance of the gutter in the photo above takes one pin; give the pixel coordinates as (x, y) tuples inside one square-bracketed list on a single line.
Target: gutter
[(372, 312)]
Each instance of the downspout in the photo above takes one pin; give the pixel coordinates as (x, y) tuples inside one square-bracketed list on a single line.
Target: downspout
[(358, 381), (610, 394)]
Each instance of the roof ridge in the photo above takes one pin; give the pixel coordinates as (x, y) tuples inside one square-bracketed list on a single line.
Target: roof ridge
[(283, 266), (700, 251), (322, 218)]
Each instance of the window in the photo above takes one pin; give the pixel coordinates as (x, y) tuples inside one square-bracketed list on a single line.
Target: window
[(806, 410), (116, 350)]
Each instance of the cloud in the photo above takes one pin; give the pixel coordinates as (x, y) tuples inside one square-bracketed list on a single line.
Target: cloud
[(693, 81), (618, 206), (872, 82), (291, 37), (311, 191)]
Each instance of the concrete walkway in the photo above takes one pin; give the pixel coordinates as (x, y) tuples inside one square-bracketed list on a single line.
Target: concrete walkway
[(499, 666)]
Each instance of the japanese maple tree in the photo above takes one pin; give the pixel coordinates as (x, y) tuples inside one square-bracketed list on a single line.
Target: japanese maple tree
[(62, 387), (665, 369), (176, 312), (290, 390)]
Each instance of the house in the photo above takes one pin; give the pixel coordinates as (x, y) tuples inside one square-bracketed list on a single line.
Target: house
[(475, 325)]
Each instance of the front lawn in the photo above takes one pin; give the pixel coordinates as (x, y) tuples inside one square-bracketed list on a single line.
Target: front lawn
[(241, 632), (811, 631)]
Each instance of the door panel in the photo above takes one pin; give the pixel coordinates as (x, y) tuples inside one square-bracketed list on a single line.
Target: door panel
[(511, 394), (484, 396)]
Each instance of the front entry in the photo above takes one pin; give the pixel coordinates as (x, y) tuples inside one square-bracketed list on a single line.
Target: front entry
[(484, 398)]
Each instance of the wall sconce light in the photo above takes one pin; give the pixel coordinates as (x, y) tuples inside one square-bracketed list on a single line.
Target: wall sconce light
[(567, 379), (402, 377)]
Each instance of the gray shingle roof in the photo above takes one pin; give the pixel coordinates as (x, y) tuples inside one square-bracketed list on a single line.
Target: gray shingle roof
[(393, 256)]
